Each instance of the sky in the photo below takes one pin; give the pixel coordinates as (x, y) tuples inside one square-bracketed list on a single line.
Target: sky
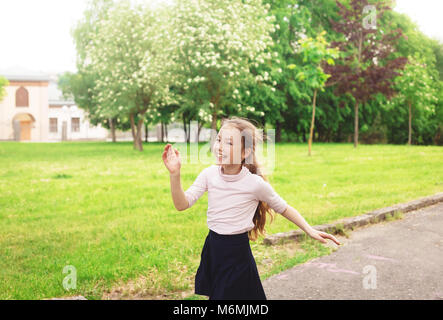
[(36, 34)]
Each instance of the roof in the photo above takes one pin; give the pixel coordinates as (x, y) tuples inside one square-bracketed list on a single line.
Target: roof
[(55, 95), (18, 73)]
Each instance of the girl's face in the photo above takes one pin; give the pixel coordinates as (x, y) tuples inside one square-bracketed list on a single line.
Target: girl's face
[(227, 147)]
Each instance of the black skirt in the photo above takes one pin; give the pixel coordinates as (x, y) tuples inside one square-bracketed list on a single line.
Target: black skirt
[(228, 270)]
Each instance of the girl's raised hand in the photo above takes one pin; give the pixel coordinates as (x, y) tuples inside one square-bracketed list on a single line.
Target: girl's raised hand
[(321, 236), (171, 158)]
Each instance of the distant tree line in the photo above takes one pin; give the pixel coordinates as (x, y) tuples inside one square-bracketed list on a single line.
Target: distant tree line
[(315, 70)]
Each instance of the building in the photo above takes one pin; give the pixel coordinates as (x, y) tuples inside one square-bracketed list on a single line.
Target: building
[(34, 110), (67, 121)]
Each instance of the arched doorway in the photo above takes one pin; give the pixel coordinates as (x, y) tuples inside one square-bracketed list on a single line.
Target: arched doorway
[(22, 124)]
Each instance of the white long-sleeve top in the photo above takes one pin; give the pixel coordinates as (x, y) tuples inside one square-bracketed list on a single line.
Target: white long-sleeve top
[(233, 199)]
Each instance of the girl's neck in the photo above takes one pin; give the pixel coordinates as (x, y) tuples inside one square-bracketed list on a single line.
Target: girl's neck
[(231, 168)]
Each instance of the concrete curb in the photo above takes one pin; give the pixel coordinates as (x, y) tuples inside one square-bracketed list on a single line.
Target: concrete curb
[(359, 221)]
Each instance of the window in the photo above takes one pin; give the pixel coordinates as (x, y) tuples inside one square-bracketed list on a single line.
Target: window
[(75, 124), (21, 97), (52, 124)]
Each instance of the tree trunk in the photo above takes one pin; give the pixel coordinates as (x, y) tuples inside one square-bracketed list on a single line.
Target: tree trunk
[(356, 101), (136, 131), (356, 125), (188, 133), (311, 132), (215, 100), (111, 123), (410, 124), (147, 132), (214, 121), (139, 142), (198, 131), (166, 131), (185, 128), (213, 128), (277, 131), (134, 138), (163, 133)]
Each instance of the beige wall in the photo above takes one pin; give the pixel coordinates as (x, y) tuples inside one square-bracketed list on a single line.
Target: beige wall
[(38, 108), (87, 131)]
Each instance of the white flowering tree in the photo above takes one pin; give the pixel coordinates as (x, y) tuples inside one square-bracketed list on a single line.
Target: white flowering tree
[(216, 43), (130, 54), (81, 85)]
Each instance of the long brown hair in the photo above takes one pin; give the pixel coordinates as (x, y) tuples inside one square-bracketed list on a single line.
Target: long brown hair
[(251, 133)]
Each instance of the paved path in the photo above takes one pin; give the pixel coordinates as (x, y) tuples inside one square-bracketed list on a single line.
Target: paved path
[(401, 259)]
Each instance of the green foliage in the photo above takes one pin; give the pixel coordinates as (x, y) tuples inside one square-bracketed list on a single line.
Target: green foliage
[(426, 122), (314, 52), (261, 62), (82, 85), (280, 98), (3, 83), (438, 52), (130, 55), (216, 44), (418, 87)]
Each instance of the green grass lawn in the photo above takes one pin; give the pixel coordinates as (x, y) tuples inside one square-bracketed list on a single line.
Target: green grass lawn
[(107, 210)]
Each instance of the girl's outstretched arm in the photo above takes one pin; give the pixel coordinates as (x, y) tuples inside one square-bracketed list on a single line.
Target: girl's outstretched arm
[(293, 215), (172, 161)]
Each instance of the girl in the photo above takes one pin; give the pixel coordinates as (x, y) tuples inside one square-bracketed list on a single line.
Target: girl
[(239, 197)]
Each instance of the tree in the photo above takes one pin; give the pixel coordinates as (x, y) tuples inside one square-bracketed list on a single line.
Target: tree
[(426, 125), (315, 52), (283, 101), (217, 42), (130, 55), (416, 89), (368, 64), (81, 85)]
